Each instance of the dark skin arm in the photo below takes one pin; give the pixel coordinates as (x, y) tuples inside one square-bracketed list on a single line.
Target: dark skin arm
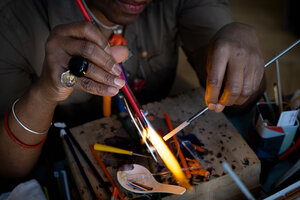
[(35, 109), (235, 63)]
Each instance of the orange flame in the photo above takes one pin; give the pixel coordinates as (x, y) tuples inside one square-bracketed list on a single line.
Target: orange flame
[(167, 156)]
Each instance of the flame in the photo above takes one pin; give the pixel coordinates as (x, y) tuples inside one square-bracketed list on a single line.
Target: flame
[(167, 156)]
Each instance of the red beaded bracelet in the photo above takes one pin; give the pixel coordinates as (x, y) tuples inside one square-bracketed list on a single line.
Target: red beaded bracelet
[(10, 134)]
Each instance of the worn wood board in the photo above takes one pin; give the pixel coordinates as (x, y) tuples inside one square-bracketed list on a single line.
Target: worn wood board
[(221, 139)]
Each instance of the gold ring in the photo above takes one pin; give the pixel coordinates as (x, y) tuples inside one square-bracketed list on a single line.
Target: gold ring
[(68, 79)]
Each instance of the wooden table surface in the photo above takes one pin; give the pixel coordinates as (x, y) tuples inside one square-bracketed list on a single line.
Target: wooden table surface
[(220, 138)]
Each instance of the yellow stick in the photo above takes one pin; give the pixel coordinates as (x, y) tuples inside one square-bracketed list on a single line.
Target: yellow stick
[(101, 147)]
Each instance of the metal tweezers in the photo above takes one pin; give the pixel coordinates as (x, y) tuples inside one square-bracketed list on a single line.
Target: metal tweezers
[(139, 126)]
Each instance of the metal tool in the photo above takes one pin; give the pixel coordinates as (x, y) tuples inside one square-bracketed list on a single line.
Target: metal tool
[(279, 87), (238, 181), (193, 151), (139, 126), (184, 124), (282, 53)]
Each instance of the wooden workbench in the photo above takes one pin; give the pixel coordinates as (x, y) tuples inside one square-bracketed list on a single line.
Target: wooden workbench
[(221, 139)]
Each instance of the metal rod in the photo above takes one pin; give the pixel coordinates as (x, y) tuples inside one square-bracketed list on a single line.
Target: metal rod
[(275, 88), (271, 110), (90, 164), (184, 124), (279, 87), (140, 129), (282, 53), (197, 115), (80, 167), (237, 181)]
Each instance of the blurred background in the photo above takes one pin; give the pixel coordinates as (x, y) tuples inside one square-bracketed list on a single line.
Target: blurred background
[(277, 24)]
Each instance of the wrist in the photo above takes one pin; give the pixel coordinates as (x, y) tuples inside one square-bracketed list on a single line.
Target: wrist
[(36, 108), (31, 118), (44, 95)]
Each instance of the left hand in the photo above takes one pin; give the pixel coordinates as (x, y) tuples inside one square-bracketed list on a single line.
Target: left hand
[(235, 60)]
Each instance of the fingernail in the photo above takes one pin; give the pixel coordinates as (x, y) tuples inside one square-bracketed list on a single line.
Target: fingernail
[(113, 90), (116, 69), (119, 82), (211, 106), (219, 108), (107, 49)]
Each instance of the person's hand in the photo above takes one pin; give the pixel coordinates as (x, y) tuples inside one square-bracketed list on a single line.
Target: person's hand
[(235, 66), (86, 40)]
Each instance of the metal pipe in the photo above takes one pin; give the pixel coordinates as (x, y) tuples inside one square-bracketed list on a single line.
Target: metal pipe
[(282, 53), (279, 87)]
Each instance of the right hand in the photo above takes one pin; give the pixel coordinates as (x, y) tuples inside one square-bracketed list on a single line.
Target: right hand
[(86, 40)]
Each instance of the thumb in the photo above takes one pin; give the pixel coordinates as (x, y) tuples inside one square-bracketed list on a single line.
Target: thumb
[(119, 53)]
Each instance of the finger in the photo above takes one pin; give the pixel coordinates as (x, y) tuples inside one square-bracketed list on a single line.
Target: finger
[(119, 53), (91, 52), (95, 88), (247, 89), (216, 67), (82, 30), (259, 73), (234, 80), (219, 108), (99, 75)]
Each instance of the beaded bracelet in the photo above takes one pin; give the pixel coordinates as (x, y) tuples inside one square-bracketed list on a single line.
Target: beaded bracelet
[(10, 134), (27, 129)]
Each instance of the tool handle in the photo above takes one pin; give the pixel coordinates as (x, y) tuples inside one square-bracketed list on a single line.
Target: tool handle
[(102, 147), (176, 130)]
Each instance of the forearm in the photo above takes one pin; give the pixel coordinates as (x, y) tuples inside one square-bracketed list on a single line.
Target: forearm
[(35, 112), (35, 109)]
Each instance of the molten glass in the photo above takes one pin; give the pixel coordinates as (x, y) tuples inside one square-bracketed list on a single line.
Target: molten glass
[(167, 156)]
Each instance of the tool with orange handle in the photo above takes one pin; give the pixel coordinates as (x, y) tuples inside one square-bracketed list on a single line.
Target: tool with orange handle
[(198, 171), (106, 172)]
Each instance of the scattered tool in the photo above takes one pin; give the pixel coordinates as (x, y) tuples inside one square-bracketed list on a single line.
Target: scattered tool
[(139, 185), (194, 153), (275, 88), (83, 154), (184, 124), (282, 53), (114, 194), (106, 148), (106, 172), (177, 145), (198, 148), (197, 169), (139, 126), (169, 172), (271, 110), (279, 87), (143, 176), (237, 181), (79, 165)]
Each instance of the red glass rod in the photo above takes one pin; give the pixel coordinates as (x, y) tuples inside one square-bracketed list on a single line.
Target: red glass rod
[(132, 101), (125, 88), (84, 11)]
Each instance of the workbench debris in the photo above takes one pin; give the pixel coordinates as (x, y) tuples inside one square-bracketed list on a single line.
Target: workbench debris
[(218, 141)]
